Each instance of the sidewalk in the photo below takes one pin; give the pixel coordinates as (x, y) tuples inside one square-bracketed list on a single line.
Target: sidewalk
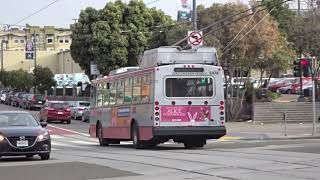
[(260, 131)]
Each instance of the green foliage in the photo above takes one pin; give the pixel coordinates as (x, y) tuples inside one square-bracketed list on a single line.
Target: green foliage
[(43, 78), (273, 95), (281, 12), (117, 35), (19, 79)]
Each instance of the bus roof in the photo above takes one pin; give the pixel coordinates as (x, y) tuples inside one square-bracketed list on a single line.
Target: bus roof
[(173, 55)]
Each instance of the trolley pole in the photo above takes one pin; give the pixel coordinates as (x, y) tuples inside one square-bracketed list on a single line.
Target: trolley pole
[(194, 15)]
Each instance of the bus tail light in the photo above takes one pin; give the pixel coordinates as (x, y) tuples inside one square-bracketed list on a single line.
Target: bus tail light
[(221, 108), (156, 103), (157, 108), (221, 103)]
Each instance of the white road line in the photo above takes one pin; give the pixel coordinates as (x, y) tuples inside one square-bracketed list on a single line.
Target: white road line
[(68, 130), (56, 137), (84, 142)]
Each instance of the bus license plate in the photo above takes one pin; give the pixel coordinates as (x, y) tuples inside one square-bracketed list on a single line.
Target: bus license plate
[(22, 143), (60, 112)]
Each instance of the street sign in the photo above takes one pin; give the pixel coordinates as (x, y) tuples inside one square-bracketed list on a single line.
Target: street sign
[(94, 69), (195, 38), (184, 10), (29, 55)]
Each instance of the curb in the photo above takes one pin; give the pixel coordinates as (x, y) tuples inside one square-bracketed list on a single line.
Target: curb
[(277, 138)]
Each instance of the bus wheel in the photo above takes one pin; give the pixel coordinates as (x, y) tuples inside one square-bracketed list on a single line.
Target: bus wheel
[(136, 137), (102, 141)]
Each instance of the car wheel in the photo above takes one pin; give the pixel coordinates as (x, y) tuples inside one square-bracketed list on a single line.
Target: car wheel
[(102, 141), (45, 156), (69, 121)]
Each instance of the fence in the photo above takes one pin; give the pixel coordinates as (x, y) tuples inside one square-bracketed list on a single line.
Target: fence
[(273, 111)]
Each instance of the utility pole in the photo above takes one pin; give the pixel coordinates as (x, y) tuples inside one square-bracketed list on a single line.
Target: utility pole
[(35, 49), (194, 15), (313, 65), (2, 54), (299, 7)]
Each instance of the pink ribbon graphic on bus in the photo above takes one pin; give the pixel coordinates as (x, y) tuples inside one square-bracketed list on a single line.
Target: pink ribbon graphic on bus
[(185, 113)]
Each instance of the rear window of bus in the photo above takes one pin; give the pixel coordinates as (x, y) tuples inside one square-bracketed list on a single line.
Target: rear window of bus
[(189, 87)]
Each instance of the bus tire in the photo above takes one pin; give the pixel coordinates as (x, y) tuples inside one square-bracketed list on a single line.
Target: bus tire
[(135, 136), (102, 141)]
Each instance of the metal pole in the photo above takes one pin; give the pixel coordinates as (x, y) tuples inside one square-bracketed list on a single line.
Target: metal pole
[(194, 15), (2, 56), (313, 97), (285, 122), (35, 49), (299, 7)]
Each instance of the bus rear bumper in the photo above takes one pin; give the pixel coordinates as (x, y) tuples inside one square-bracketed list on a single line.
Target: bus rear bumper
[(209, 132)]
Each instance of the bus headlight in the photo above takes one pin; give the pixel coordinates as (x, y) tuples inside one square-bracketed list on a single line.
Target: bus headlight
[(43, 136), (1, 138)]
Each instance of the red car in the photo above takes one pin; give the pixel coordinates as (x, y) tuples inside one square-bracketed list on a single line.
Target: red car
[(280, 84), (56, 111)]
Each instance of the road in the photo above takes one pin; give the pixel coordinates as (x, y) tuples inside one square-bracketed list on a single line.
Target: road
[(75, 156)]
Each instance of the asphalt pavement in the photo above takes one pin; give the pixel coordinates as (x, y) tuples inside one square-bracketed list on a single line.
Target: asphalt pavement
[(75, 156)]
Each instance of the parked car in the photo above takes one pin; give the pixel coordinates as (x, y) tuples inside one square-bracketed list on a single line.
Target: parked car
[(78, 107), (35, 101), (3, 96), (286, 89), (22, 135), (55, 111), (24, 100), (280, 84), (86, 115), (9, 97), (17, 98)]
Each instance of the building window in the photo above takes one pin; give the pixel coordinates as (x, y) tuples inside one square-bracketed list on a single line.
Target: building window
[(66, 40), (37, 38), (22, 41), (16, 41), (50, 39), (61, 41)]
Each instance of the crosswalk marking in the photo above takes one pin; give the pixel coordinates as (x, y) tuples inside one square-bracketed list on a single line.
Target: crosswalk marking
[(78, 141)]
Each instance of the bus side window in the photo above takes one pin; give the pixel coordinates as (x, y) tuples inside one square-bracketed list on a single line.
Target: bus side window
[(113, 92), (128, 91), (93, 96), (136, 91), (106, 95), (145, 93), (120, 92), (99, 98)]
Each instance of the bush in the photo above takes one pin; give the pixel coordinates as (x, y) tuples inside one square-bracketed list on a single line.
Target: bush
[(273, 95)]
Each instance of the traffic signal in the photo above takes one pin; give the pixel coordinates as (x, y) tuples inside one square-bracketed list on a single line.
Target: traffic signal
[(297, 68), (306, 67)]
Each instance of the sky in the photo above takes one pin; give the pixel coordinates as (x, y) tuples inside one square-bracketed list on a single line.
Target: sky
[(62, 13)]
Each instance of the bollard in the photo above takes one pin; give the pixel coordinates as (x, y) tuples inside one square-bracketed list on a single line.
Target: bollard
[(285, 123)]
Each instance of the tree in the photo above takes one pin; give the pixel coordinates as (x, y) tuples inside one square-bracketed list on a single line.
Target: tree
[(116, 35), (281, 12), (19, 79), (240, 44), (43, 78)]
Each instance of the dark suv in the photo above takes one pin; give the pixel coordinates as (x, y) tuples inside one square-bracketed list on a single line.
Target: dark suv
[(35, 101)]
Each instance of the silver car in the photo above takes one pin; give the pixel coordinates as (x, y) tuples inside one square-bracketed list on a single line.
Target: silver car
[(78, 107)]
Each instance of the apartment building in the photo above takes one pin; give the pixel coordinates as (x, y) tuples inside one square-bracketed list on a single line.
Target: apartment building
[(52, 45)]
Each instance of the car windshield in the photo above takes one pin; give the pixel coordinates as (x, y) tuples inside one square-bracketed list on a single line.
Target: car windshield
[(17, 119), (84, 104), (60, 105)]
